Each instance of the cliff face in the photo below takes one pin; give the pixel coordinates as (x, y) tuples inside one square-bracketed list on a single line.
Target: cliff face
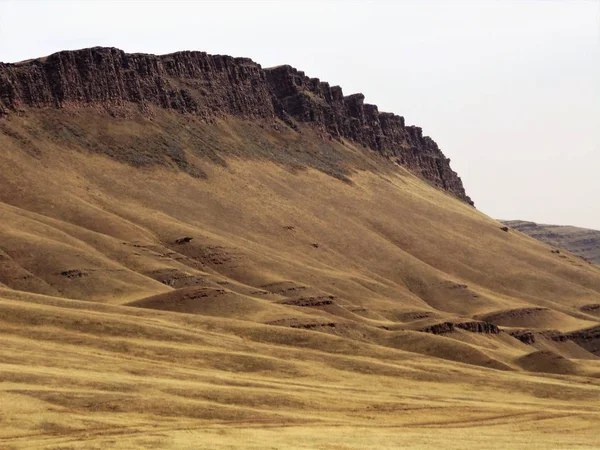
[(189, 82), (310, 100), (213, 85)]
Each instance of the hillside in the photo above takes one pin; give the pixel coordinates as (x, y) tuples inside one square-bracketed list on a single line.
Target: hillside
[(265, 268), (579, 241)]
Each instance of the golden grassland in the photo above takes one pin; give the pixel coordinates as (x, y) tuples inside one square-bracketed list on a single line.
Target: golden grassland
[(293, 318), (580, 241)]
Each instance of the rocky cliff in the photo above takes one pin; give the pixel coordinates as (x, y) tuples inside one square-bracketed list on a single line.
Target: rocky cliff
[(213, 85)]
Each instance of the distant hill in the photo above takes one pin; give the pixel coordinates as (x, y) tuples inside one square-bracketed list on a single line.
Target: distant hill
[(580, 241)]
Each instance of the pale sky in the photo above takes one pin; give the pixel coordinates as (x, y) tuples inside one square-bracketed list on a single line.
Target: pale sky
[(510, 90)]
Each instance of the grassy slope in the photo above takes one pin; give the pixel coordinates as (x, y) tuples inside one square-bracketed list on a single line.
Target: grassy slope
[(580, 241), (277, 331)]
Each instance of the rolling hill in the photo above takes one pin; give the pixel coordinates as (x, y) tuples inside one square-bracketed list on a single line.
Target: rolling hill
[(579, 241), (197, 252)]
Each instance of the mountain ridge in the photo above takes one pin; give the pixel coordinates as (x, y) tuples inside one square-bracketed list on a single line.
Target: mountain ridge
[(583, 242), (210, 86), (169, 278)]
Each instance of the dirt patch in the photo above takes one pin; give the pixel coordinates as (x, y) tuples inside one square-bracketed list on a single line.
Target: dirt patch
[(309, 302), (74, 273)]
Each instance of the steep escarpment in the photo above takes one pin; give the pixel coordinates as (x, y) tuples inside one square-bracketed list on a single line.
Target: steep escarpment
[(189, 82), (210, 86), (313, 101), (175, 259)]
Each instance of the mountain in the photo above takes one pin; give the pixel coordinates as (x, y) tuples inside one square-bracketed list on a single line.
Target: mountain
[(195, 249), (579, 241), (209, 87)]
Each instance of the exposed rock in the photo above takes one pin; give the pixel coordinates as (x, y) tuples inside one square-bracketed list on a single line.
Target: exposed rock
[(555, 335), (310, 301), (210, 86), (593, 307), (505, 229), (479, 327), (525, 336), (439, 328), (530, 337), (284, 288), (184, 240), (298, 323), (313, 101), (588, 338), (471, 326), (190, 82), (74, 273), (176, 278), (312, 326)]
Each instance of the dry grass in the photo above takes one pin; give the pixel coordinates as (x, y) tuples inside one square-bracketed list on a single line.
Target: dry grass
[(580, 241), (251, 335)]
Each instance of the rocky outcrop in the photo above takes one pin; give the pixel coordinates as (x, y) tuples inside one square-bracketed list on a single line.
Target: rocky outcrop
[(471, 326), (588, 338), (592, 308), (313, 101), (530, 337), (309, 302), (213, 85), (438, 328), (525, 336), (479, 327), (189, 82)]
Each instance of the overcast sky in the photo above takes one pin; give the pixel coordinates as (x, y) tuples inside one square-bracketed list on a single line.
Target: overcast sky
[(510, 90)]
